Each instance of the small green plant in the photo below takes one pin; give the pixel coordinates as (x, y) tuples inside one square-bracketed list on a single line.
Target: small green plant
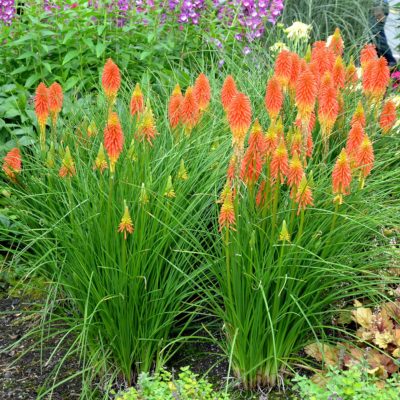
[(163, 386), (355, 384)]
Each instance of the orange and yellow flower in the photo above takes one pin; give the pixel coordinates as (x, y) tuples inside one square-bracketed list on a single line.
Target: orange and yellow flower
[(239, 118), (341, 177), (100, 163), (273, 97), (126, 225), (351, 73), (283, 67), (279, 162), (328, 108), (271, 140), (113, 139), (254, 157), (12, 163), (376, 78), (67, 169), (388, 116), (359, 115), (137, 101), (174, 105), (339, 73), (306, 93), (189, 110), (147, 129), (365, 159), (304, 197), (295, 171), (42, 110), (111, 80), (55, 101), (356, 136), (227, 214), (336, 44), (202, 91), (228, 92), (368, 53), (294, 71)]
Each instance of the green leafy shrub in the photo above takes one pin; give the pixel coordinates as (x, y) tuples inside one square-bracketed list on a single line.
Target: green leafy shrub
[(353, 384), (163, 386)]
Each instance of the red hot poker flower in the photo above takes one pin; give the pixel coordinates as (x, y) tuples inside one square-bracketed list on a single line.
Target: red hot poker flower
[(351, 73), (328, 109), (376, 78), (359, 115), (336, 44), (295, 172), (111, 80), (68, 166), (273, 97), (306, 93), (239, 118), (202, 91), (126, 225), (339, 73), (283, 67), (388, 116), (12, 163), (341, 176), (356, 136), (227, 213), (228, 92), (367, 54), (279, 162), (137, 101), (189, 110), (42, 110), (365, 159), (174, 105), (304, 195), (113, 139), (55, 100), (254, 157), (294, 71), (147, 129), (271, 140)]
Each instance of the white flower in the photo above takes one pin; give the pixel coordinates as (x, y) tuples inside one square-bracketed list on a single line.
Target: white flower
[(278, 46), (298, 30)]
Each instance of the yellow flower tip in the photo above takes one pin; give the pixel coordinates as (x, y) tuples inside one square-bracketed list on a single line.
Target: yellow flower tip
[(143, 196), (92, 129), (169, 189), (177, 90), (137, 92), (256, 127), (100, 163), (182, 173), (307, 57), (338, 199), (126, 225), (68, 166), (284, 235)]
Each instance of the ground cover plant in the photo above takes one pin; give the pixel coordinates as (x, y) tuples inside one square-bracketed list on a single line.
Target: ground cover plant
[(124, 203)]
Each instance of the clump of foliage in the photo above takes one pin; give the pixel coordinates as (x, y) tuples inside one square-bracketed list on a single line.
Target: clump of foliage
[(163, 386), (355, 383)]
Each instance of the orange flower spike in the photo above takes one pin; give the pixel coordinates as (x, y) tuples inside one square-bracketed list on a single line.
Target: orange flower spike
[(359, 115), (306, 93), (137, 101), (328, 109), (279, 162), (355, 138), (322, 59), (55, 101), (339, 73), (189, 110), (12, 164), (283, 67), (297, 142), (174, 105), (202, 91), (126, 225), (254, 157), (388, 116), (42, 110), (239, 118), (341, 176), (336, 44), (376, 78), (227, 214), (368, 53), (273, 97), (295, 172), (147, 128), (113, 139), (310, 145), (271, 140), (365, 159), (351, 73), (228, 92), (67, 169), (326, 82), (294, 71), (231, 172), (111, 80), (304, 195)]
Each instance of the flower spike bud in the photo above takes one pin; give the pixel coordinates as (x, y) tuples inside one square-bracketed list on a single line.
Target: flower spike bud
[(365, 159), (169, 189), (202, 92), (147, 129), (42, 111), (68, 166), (113, 139), (228, 92), (359, 115), (336, 43), (304, 195), (126, 225), (174, 105), (341, 177), (182, 173), (273, 97), (189, 110), (111, 80), (239, 118), (227, 213), (55, 101), (283, 67), (388, 116), (100, 162), (284, 235), (92, 129), (143, 196)]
